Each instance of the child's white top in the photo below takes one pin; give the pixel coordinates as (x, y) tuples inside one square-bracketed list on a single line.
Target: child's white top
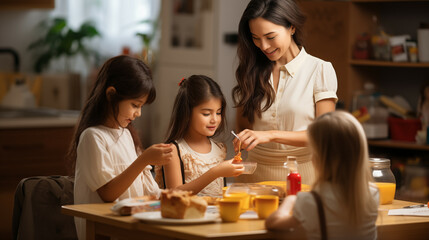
[(305, 211), (196, 164), (102, 154)]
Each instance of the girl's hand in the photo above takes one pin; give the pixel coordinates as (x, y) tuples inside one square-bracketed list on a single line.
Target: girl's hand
[(158, 154), (249, 139), (227, 169)]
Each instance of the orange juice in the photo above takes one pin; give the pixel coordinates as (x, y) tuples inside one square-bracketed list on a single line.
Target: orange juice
[(387, 192)]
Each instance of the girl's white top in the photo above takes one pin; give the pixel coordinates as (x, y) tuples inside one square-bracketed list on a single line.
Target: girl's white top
[(305, 211), (196, 164), (102, 154)]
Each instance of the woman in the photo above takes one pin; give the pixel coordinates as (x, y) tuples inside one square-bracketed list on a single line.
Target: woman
[(280, 89)]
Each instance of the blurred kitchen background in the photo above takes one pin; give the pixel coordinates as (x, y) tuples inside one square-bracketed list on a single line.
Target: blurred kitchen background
[(51, 50)]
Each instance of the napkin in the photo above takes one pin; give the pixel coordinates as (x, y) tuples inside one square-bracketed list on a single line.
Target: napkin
[(422, 211), (131, 206)]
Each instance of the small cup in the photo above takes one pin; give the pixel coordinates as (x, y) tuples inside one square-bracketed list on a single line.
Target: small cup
[(229, 209), (243, 197), (265, 205)]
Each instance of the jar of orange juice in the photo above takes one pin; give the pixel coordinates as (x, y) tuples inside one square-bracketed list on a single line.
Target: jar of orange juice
[(384, 179)]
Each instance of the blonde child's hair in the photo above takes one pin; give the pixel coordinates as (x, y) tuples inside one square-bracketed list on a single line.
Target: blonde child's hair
[(340, 157)]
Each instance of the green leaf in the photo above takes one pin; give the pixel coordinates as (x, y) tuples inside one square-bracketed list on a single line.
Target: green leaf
[(60, 40)]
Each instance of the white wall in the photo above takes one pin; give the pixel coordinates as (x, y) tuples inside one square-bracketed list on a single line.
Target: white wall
[(17, 31), (227, 14), (230, 12)]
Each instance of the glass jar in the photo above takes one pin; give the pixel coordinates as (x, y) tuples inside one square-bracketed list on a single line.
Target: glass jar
[(384, 179)]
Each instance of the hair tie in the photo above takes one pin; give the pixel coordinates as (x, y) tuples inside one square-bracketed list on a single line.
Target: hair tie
[(181, 81)]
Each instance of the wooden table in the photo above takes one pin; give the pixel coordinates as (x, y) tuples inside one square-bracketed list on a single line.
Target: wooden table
[(102, 221)]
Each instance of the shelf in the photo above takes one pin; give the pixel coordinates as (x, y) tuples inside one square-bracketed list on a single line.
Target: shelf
[(388, 64), (398, 144)]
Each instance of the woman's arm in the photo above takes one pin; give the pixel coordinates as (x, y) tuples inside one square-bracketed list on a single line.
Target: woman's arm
[(252, 138), (282, 219), (158, 154)]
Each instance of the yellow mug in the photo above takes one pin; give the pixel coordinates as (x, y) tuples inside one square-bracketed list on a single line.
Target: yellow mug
[(243, 197), (265, 205), (229, 209)]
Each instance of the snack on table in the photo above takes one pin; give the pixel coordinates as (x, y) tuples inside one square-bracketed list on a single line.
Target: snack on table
[(179, 204), (131, 206), (237, 158)]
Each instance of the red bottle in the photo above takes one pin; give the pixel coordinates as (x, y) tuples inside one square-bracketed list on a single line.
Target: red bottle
[(293, 178)]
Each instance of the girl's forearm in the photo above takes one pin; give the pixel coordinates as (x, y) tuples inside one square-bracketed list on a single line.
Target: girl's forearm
[(200, 183), (110, 191)]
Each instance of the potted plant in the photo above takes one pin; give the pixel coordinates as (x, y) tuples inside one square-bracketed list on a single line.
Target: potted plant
[(62, 41), (147, 39)]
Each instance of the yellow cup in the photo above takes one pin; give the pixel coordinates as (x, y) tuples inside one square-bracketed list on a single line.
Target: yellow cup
[(229, 209), (265, 205), (242, 196), (387, 192)]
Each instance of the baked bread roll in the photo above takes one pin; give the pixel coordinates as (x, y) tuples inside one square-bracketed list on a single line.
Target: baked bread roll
[(182, 205)]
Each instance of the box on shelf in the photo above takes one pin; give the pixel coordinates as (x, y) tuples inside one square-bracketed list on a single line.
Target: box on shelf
[(398, 48), (404, 129)]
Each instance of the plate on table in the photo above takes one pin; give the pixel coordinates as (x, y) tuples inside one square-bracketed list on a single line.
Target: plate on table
[(155, 217)]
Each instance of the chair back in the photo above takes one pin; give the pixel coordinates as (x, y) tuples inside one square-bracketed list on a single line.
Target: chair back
[(37, 208)]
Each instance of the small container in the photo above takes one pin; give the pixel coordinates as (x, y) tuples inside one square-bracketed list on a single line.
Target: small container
[(404, 129), (249, 167), (384, 179), (293, 180)]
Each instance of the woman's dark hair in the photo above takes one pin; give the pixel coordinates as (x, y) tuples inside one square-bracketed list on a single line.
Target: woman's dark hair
[(254, 69), (131, 79), (193, 91)]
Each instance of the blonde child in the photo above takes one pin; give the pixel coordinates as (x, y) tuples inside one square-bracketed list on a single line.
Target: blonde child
[(109, 161), (349, 200), (198, 161)]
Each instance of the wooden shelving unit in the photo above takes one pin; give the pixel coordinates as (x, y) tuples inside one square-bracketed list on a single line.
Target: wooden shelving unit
[(398, 144), (388, 64), (331, 31)]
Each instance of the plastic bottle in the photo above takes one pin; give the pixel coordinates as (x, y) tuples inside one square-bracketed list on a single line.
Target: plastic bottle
[(376, 125), (293, 185)]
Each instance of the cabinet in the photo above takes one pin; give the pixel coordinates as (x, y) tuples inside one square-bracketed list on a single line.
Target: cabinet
[(25, 153), (331, 30)]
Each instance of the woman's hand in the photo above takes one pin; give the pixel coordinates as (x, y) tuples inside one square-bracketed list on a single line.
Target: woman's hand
[(157, 154), (249, 139), (227, 169)]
